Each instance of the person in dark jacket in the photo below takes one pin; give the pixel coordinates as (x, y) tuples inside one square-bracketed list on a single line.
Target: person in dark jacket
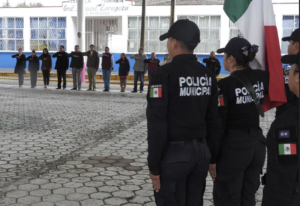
[(213, 64), (46, 66), (182, 120), (92, 66), (107, 66), (77, 67), (291, 98), (62, 65), (282, 177), (153, 63), (123, 70), (20, 67), (33, 67)]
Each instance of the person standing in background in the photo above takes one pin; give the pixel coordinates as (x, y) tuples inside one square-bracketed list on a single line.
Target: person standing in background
[(46, 66), (33, 67), (77, 67), (213, 64), (123, 70), (153, 63), (166, 60), (140, 69), (107, 67), (62, 65), (92, 66), (20, 67)]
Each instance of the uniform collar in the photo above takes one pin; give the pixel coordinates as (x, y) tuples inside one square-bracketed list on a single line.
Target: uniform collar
[(182, 57)]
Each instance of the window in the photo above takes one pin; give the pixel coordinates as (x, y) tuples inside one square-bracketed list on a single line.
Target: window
[(11, 33), (155, 26), (234, 31), (47, 32), (289, 24), (209, 32), (111, 1)]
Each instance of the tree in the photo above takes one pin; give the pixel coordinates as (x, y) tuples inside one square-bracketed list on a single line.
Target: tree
[(7, 4), (29, 5), (35, 5), (22, 4)]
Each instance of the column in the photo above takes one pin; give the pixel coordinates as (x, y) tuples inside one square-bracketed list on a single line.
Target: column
[(81, 24), (172, 16), (81, 31), (143, 29)]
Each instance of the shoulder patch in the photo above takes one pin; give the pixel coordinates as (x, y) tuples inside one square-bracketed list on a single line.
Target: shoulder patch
[(156, 91), (221, 102)]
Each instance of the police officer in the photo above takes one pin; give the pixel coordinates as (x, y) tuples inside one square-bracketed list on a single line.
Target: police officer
[(282, 178), (292, 99), (183, 122), (237, 172)]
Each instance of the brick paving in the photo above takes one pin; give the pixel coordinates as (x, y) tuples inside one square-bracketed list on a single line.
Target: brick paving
[(66, 148)]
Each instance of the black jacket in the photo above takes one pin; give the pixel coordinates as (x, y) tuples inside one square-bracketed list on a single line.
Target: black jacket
[(182, 105), (236, 108), (34, 63), (21, 64), (213, 64), (292, 100), (282, 170), (62, 62), (124, 67), (76, 62)]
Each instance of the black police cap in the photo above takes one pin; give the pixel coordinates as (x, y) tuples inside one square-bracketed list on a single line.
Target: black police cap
[(234, 47), (291, 59), (183, 30), (294, 36)]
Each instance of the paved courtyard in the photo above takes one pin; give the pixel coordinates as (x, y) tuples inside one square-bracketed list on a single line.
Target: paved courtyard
[(76, 148)]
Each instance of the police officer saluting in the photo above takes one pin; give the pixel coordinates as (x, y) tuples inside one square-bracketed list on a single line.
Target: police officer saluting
[(236, 174), (183, 122), (282, 178)]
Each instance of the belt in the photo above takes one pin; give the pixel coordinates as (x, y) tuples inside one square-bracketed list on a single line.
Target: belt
[(189, 141)]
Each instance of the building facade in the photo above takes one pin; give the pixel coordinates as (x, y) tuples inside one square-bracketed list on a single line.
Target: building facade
[(117, 23)]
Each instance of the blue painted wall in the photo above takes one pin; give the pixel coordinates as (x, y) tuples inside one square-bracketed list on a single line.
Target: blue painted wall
[(7, 62)]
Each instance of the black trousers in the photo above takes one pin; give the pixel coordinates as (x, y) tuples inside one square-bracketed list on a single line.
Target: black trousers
[(33, 78), (21, 78), (183, 174), (61, 74), (46, 76), (239, 168)]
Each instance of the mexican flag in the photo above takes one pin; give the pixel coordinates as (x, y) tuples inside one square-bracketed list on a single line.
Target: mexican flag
[(287, 149), (155, 93), (256, 21)]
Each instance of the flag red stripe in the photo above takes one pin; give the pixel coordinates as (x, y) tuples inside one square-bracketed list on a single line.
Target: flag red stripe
[(221, 101), (293, 149), (159, 92), (277, 95)]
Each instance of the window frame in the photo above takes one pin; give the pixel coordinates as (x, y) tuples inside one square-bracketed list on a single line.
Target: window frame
[(283, 28), (48, 28), (208, 27), (147, 35), (15, 39)]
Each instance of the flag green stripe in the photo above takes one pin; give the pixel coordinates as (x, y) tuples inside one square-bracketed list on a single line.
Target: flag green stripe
[(236, 8), (281, 149), (151, 92)]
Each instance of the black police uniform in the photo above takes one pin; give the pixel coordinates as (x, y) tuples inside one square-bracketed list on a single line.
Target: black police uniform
[(281, 180), (183, 127), (243, 146), (292, 99)]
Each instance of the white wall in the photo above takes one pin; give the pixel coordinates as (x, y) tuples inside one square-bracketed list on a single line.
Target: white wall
[(119, 43)]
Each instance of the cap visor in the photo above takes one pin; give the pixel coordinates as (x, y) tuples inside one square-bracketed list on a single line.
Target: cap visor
[(219, 51), (286, 38), (164, 36), (288, 59)]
